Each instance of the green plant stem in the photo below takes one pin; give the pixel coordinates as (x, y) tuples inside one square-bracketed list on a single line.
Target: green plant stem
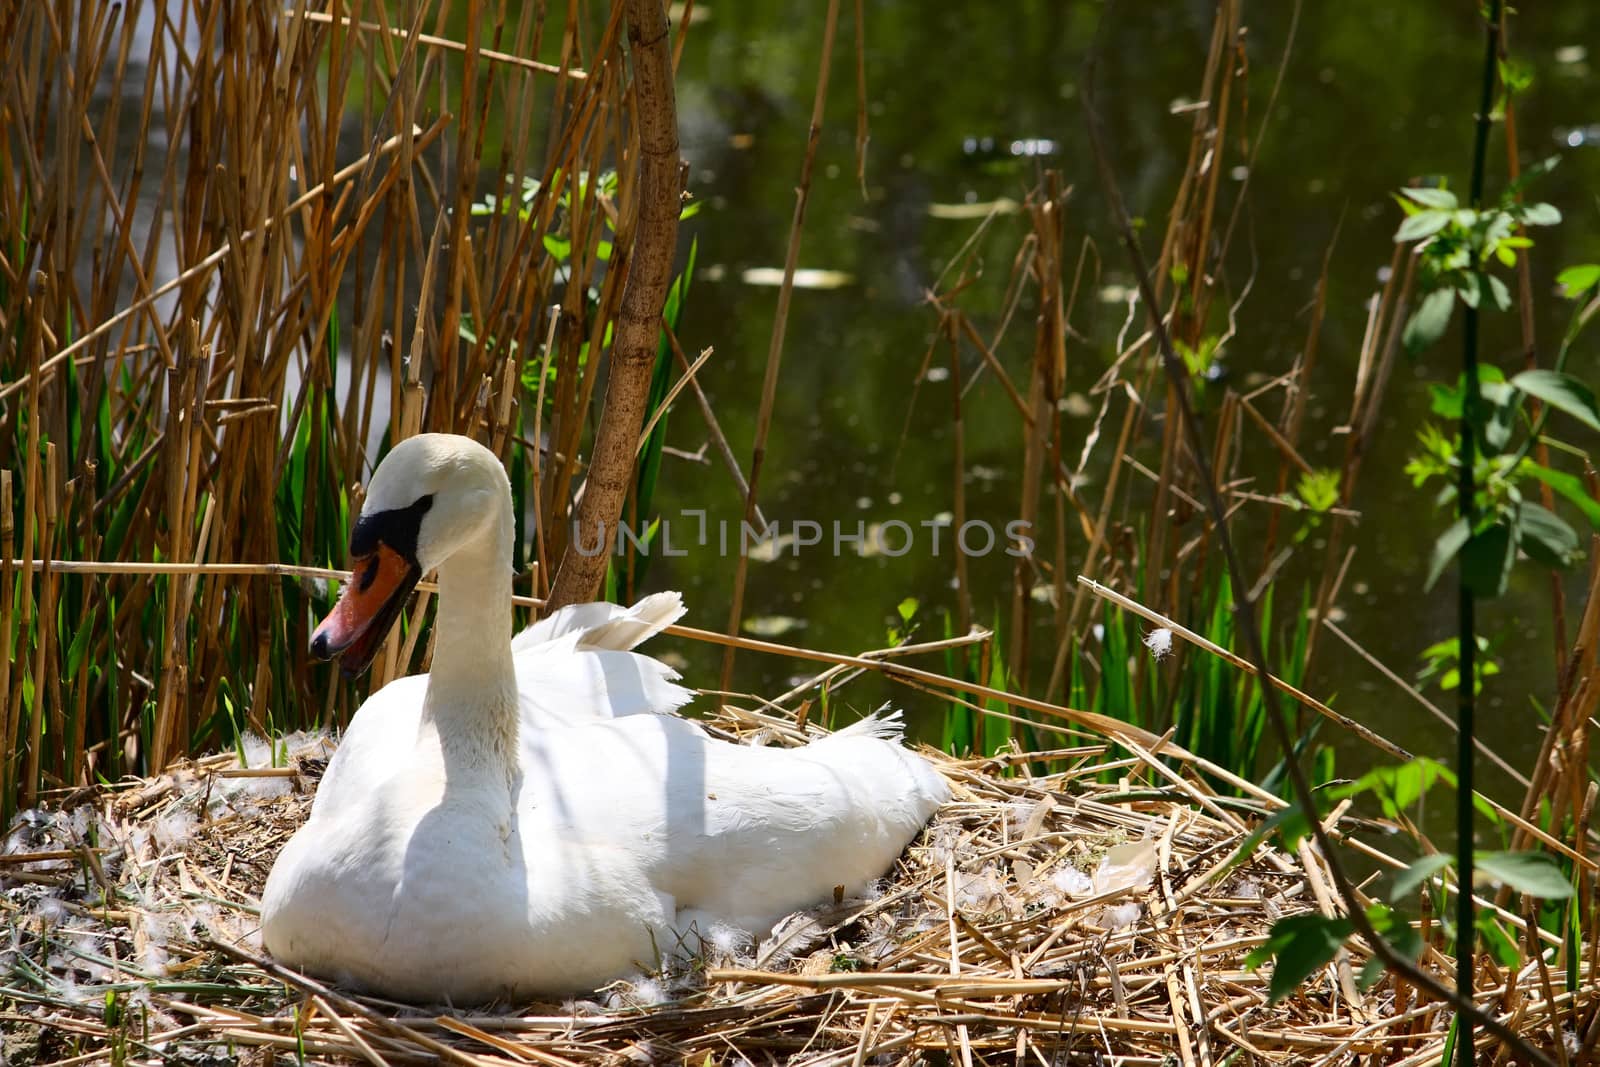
[(1249, 626), (1467, 626)]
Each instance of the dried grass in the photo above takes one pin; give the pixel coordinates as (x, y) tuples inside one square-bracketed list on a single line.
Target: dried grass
[(1005, 931)]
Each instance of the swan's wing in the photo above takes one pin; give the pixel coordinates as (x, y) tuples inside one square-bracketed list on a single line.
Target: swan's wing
[(575, 666), (382, 736), (564, 683), (740, 832), (604, 625)]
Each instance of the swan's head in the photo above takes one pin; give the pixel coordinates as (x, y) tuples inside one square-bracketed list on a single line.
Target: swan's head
[(431, 495)]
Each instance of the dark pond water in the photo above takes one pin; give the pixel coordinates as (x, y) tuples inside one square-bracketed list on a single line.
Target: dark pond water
[(967, 104), (970, 103)]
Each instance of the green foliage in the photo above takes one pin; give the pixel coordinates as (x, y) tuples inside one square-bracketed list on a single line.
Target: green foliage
[(1458, 245), (1199, 357), (1532, 873), (1298, 947), (957, 729), (648, 467), (1315, 494), (1318, 489), (1579, 280), (1459, 250), (1441, 661), (907, 611)]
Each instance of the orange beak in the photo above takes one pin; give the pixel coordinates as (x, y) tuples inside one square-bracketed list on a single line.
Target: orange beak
[(367, 609)]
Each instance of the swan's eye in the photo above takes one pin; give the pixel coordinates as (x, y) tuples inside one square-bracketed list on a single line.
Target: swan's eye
[(368, 572), (397, 528)]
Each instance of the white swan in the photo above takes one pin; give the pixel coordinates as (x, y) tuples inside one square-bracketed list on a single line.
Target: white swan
[(516, 822)]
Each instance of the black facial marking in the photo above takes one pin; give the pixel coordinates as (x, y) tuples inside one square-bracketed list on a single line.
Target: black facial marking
[(397, 528)]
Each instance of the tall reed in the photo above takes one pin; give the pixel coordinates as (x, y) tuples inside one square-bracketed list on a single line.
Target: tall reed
[(233, 272)]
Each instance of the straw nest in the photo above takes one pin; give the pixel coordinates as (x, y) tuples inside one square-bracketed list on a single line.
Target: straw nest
[(1075, 917)]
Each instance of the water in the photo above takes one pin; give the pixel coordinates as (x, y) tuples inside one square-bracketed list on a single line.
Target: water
[(967, 105)]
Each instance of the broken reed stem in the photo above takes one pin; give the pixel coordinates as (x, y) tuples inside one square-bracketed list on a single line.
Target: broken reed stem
[(443, 43), (657, 205), (780, 322), (1365, 733)]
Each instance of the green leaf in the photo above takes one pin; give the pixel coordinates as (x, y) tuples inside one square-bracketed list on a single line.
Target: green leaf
[(1533, 873), (907, 608), (1406, 882), (1546, 537), (1445, 549), (1531, 173), (1502, 946), (1422, 224), (1497, 289), (1445, 401), (80, 642), (1575, 281), (1395, 928), (1442, 199), (1290, 822), (1400, 786), (1569, 486), (1486, 560), (560, 250), (1563, 392), (1428, 323), (1299, 946)]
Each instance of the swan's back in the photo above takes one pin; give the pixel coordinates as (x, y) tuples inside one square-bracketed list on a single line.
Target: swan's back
[(736, 833)]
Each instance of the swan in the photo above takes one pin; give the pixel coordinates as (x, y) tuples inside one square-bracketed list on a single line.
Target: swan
[(529, 819)]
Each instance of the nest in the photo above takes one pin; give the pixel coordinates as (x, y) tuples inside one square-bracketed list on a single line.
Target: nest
[(1083, 916)]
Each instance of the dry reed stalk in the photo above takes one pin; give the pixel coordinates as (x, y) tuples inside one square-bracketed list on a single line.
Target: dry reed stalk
[(1560, 774), (1297, 387), (10, 712), (222, 274), (1530, 354), (444, 43), (1046, 380), (713, 426), (780, 323), (1378, 348), (49, 636), (25, 613), (958, 478)]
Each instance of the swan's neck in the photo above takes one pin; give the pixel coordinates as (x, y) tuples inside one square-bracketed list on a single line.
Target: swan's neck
[(472, 683)]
